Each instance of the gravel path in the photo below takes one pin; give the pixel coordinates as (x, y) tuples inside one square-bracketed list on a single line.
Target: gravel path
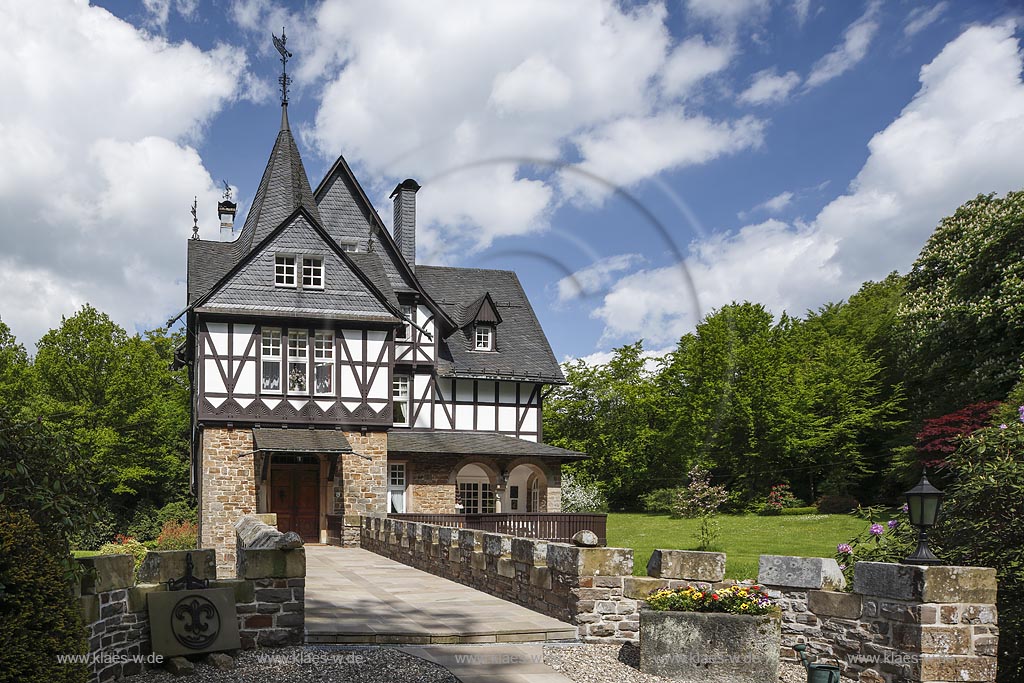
[(620, 664), (314, 665)]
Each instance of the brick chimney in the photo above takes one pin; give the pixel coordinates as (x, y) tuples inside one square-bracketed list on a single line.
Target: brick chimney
[(226, 210), (404, 226)]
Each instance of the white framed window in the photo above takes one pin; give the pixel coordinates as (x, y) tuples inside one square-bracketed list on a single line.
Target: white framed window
[(349, 247), (484, 338), (396, 487), (312, 272), (270, 370), (323, 363), (405, 331), (284, 270), (298, 362), (477, 497), (533, 504), (400, 399)]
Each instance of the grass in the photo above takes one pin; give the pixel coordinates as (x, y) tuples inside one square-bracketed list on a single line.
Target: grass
[(743, 538), (85, 553)]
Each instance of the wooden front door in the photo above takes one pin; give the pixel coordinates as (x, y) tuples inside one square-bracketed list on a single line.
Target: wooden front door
[(295, 497)]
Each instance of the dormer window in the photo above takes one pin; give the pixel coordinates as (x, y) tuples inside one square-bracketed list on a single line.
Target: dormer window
[(284, 271), (313, 272), (484, 338), (405, 331)]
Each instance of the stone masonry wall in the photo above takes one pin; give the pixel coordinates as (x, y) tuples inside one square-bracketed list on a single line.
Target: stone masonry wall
[(903, 624), (227, 490), (430, 484), (360, 486), (269, 599)]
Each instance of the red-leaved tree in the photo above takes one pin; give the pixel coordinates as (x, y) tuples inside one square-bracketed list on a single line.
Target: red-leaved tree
[(939, 436)]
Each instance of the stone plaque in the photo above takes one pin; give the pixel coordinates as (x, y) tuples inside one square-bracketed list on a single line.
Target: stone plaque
[(193, 621)]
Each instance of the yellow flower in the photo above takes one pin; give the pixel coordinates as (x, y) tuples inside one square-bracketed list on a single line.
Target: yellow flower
[(743, 606)]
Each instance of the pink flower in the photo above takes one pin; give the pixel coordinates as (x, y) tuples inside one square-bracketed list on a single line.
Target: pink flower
[(892, 523), (877, 529), (844, 548)]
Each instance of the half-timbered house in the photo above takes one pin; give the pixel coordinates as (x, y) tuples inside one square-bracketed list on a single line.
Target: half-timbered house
[(334, 376)]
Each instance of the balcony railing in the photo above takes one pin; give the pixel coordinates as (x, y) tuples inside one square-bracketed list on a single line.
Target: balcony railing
[(549, 526)]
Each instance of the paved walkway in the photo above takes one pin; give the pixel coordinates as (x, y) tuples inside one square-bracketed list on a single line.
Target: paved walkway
[(355, 596)]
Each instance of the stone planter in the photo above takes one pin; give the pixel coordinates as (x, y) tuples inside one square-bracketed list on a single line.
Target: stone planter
[(707, 647)]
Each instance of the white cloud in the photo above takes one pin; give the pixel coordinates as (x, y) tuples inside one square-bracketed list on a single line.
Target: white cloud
[(652, 357), (849, 53), (961, 135), (159, 11), (771, 206), (596, 277), (921, 18), (692, 61), (631, 149), (728, 13), (484, 87), (98, 174), (768, 86), (801, 8)]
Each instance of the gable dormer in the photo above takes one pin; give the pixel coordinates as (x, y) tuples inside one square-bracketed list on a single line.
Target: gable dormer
[(480, 321)]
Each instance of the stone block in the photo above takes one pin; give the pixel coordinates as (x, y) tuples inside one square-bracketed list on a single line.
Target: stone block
[(586, 539), (160, 566), (639, 587), (470, 539), (506, 568), (689, 565), (179, 666), (941, 640), (958, 668), (800, 572), (709, 647), (575, 561), (267, 563), (245, 591), (834, 604), (498, 545), (540, 577), (530, 551), (137, 594), (478, 561), (107, 572), (89, 606), (268, 518), (931, 584)]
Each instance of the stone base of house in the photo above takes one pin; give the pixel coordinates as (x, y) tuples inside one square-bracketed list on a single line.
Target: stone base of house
[(235, 481)]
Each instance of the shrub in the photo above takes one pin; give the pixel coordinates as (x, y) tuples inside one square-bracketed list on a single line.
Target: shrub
[(126, 545), (177, 511), (39, 619), (779, 498), (980, 525), (700, 498), (837, 504), (92, 536), (144, 525), (659, 500), (883, 540), (738, 599), (793, 512), (578, 496), (177, 536)]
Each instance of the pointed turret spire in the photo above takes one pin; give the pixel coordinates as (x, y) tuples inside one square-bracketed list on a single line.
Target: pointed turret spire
[(284, 186)]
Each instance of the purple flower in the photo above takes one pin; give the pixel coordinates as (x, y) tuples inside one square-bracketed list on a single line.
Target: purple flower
[(877, 529), (842, 566), (1021, 412), (1002, 426), (892, 523), (905, 508), (844, 548)]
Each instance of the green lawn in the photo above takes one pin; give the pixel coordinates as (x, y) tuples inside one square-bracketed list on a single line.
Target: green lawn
[(85, 553), (743, 537)]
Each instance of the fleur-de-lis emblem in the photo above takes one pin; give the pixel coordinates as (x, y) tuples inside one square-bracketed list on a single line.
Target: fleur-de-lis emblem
[(195, 622)]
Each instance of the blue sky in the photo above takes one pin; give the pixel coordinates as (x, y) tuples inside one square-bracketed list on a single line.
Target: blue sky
[(776, 151)]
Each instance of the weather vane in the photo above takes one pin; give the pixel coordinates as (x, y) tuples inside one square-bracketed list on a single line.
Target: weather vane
[(195, 219), (284, 80), (227, 191)]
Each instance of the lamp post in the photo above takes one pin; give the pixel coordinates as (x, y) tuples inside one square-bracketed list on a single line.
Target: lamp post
[(923, 502)]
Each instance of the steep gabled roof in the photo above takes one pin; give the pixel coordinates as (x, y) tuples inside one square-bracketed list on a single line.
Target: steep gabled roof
[(283, 188), (482, 310), (522, 350)]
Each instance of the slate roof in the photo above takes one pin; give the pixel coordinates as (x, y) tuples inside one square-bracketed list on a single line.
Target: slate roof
[(471, 443), (300, 440), (522, 350)]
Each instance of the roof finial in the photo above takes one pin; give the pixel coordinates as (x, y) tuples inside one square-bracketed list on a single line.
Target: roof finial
[(195, 218), (281, 45), (227, 191)]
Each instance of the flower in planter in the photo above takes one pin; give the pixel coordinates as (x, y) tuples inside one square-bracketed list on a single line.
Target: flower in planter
[(738, 599)]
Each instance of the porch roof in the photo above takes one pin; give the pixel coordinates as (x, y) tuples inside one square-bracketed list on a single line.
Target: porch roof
[(300, 440), (472, 443)]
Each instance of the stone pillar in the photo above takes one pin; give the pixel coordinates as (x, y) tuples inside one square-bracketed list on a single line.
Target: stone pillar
[(361, 486), (554, 497), (227, 491), (939, 622), (430, 486)]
